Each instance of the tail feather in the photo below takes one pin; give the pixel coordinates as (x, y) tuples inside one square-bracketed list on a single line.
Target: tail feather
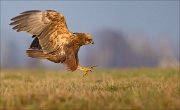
[(36, 53)]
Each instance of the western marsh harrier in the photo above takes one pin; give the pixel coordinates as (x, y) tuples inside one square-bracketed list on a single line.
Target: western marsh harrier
[(52, 38)]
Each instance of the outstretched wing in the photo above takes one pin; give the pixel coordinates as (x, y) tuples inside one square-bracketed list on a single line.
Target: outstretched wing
[(49, 26)]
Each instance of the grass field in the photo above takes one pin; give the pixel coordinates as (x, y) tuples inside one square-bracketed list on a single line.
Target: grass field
[(143, 88)]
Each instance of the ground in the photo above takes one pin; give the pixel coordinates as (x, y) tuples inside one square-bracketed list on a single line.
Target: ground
[(141, 88)]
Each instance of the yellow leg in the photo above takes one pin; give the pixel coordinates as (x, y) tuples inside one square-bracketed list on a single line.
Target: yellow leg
[(86, 70)]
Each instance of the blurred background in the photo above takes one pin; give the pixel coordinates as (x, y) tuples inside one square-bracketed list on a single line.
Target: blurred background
[(126, 33)]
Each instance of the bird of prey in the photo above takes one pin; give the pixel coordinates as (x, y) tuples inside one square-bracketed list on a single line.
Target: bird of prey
[(52, 38)]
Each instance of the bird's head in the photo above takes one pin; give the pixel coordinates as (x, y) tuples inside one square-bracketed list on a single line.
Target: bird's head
[(88, 39), (84, 38)]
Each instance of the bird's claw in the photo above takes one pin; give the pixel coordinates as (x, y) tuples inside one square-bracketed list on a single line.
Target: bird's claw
[(86, 70), (93, 66)]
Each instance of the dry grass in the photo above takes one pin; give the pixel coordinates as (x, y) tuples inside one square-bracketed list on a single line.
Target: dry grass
[(102, 90)]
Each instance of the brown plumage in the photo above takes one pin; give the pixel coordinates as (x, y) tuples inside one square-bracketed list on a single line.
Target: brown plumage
[(52, 38)]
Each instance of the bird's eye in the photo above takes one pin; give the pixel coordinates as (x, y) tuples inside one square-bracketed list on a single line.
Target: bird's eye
[(88, 39)]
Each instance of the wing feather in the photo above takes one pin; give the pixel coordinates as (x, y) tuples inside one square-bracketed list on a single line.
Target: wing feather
[(30, 11), (47, 25)]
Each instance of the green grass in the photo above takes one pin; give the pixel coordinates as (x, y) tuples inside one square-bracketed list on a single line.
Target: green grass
[(144, 88)]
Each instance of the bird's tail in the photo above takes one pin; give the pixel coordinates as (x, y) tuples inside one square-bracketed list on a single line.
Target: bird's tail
[(36, 53)]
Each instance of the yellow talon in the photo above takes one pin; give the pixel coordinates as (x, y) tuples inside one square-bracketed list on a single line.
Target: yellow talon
[(86, 70)]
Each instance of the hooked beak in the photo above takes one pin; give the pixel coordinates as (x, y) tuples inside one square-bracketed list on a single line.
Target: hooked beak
[(92, 42)]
